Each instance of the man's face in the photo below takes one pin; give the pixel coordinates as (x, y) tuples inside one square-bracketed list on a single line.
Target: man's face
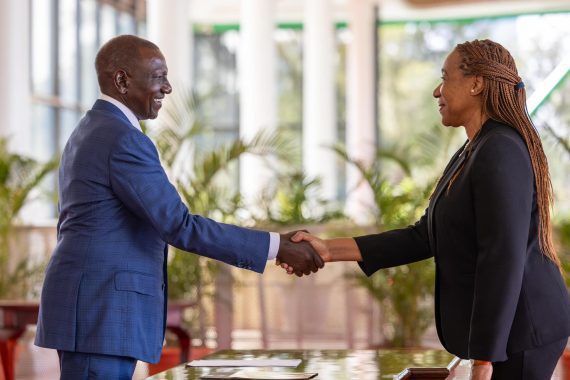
[(148, 84)]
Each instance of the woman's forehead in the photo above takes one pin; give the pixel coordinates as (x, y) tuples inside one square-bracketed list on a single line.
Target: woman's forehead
[(452, 61)]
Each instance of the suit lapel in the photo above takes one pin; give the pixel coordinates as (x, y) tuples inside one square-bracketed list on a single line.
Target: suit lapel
[(448, 173)]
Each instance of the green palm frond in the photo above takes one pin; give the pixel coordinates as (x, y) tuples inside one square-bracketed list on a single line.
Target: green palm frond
[(405, 291), (19, 176), (295, 201), (177, 126)]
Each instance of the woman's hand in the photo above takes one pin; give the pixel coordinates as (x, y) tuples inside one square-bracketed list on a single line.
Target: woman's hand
[(337, 249), (481, 372), (318, 244)]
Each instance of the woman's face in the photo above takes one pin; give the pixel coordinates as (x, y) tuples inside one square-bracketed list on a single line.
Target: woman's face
[(455, 94)]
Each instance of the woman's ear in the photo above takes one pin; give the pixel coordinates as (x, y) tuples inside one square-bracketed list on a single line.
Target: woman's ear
[(121, 82), (478, 85)]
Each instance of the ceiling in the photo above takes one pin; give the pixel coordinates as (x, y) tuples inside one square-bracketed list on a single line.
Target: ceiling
[(228, 11)]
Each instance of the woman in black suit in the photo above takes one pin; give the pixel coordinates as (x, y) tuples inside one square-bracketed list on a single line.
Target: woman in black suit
[(500, 299)]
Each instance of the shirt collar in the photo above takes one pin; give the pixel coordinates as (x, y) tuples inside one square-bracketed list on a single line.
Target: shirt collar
[(124, 109)]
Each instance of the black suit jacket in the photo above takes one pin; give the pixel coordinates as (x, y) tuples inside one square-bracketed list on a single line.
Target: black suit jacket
[(496, 293)]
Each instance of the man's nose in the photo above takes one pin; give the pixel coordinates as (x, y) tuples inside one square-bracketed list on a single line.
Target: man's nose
[(167, 88), (436, 91)]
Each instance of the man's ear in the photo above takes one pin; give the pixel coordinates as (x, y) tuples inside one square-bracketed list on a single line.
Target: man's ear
[(121, 81), (478, 85)]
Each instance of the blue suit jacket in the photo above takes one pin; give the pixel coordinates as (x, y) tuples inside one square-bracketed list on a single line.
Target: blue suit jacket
[(105, 285)]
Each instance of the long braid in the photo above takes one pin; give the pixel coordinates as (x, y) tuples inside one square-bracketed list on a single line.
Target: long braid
[(504, 100)]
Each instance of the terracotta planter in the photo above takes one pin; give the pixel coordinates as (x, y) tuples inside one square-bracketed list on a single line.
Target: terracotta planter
[(170, 357), (199, 352)]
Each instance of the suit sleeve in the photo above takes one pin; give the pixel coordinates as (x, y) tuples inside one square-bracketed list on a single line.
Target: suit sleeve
[(503, 188), (393, 248), (139, 181)]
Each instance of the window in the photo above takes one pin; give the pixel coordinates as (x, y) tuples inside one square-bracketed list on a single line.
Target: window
[(65, 36)]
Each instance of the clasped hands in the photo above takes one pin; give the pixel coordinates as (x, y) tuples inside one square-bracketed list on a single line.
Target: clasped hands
[(301, 253)]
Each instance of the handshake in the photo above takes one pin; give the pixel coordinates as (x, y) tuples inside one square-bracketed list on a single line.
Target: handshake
[(301, 253)]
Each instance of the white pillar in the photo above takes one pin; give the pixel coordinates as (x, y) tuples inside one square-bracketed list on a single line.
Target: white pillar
[(360, 103), (169, 26), (319, 106), (258, 88), (15, 108)]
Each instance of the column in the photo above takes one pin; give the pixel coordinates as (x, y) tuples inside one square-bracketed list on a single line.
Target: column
[(15, 108), (169, 26), (360, 103), (224, 307), (258, 88), (319, 105)]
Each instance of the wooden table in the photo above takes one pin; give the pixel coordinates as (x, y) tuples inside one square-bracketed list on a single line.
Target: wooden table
[(344, 364), (16, 315)]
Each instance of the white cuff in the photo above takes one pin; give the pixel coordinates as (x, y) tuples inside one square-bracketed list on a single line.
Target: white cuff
[(274, 240)]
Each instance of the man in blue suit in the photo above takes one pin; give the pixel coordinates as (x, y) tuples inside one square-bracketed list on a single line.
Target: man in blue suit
[(104, 297)]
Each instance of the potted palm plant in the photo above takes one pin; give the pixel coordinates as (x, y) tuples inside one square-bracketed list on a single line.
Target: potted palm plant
[(405, 293), (198, 173), (19, 176)]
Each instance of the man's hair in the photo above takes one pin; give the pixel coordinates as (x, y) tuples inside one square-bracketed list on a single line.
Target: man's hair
[(120, 52)]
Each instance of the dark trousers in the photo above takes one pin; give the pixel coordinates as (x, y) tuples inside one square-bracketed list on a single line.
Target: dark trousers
[(534, 364), (82, 366)]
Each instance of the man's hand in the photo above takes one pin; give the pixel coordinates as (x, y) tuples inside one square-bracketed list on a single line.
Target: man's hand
[(299, 256)]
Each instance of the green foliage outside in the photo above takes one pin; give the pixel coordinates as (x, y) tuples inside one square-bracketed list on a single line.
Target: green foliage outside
[(413, 148), (405, 293), (202, 182), (19, 176)]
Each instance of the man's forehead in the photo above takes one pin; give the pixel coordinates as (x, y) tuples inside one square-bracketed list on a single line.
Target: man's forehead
[(149, 53), (150, 59)]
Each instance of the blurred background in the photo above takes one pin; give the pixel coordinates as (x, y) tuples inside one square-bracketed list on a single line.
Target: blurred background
[(284, 114)]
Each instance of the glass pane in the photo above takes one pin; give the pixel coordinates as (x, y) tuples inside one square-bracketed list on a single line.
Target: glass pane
[(43, 131), (289, 47), (69, 120), (43, 148), (108, 23), (126, 23), (88, 42), (68, 64), (42, 48), (215, 79), (411, 56)]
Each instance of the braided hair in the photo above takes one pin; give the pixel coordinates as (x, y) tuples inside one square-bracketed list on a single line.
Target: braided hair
[(504, 100)]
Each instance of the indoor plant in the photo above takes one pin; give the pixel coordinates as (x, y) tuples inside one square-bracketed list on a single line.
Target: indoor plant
[(19, 175)]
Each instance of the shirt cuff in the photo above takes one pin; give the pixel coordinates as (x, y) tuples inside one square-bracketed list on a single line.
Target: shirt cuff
[(274, 240)]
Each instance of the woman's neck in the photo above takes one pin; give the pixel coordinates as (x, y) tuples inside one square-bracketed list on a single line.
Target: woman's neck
[(474, 125)]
